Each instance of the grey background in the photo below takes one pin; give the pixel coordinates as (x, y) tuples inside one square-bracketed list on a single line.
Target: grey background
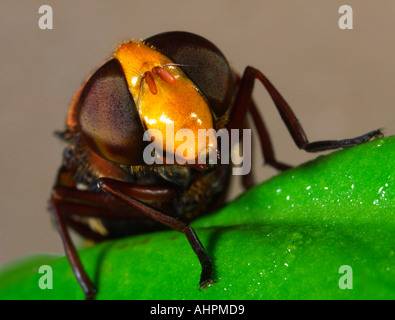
[(340, 83)]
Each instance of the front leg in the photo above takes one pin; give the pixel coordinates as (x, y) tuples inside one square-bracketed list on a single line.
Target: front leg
[(67, 202), (116, 188), (70, 250), (243, 104)]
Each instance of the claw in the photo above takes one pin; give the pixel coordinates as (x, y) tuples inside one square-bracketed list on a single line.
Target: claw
[(204, 284)]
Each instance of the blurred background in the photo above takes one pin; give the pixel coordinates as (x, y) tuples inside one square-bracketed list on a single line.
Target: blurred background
[(340, 83)]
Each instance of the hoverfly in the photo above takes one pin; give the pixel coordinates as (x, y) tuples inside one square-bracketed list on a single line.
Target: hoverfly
[(105, 189)]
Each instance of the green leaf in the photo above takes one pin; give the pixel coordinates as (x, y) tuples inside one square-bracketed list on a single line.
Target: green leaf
[(284, 239)]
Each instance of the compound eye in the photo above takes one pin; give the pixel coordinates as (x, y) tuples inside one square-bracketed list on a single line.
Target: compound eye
[(202, 62), (108, 119)]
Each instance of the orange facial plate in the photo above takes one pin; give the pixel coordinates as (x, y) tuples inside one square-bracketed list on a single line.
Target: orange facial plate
[(178, 105)]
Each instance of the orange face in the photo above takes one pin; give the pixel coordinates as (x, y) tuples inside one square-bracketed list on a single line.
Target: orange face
[(166, 100)]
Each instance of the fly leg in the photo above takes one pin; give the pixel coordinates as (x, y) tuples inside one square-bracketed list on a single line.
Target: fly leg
[(68, 203), (71, 252), (118, 190), (243, 103)]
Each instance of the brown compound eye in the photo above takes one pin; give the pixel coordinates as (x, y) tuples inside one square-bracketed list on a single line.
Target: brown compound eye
[(202, 62), (108, 119)]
